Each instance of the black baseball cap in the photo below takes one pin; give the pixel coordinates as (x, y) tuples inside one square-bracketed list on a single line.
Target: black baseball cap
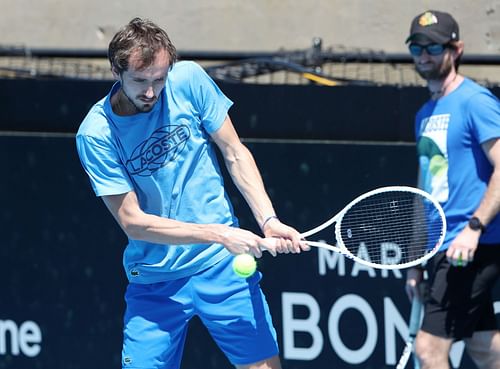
[(434, 26)]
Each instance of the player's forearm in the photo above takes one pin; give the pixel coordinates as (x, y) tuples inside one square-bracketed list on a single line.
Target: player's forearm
[(139, 225), (490, 204), (155, 229), (246, 176)]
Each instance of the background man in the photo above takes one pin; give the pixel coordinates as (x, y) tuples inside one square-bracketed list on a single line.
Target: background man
[(457, 133)]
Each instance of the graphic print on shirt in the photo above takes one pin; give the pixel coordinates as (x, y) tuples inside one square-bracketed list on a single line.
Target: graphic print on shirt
[(162, 147), (433, 155)]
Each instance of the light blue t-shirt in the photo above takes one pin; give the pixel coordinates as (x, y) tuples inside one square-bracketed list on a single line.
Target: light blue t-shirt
[(454, 169), (167, 158)]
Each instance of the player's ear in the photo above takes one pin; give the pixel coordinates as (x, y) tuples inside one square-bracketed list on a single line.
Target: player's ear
[(115, 72), (458, 48)]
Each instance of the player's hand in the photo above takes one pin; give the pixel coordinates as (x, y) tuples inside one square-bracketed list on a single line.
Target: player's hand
[(463, 247), (241, 241), (286, 239), (414, 277)]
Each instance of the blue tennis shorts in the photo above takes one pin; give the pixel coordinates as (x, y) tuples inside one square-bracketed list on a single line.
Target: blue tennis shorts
[(233, 309)]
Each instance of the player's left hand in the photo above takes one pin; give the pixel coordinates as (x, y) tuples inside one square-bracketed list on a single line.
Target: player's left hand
[(287, 239), (462, 249)]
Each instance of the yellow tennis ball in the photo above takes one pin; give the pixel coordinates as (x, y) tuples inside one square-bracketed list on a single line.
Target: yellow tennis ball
[(244, 265)]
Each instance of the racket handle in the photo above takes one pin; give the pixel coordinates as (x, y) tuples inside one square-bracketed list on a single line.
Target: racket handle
[(271, 241), (415, 316)]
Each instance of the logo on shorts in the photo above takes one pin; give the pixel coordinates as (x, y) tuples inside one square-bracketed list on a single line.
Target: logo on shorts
[(162, 147)]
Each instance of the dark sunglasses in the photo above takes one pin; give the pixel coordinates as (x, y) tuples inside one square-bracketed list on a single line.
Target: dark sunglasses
[(431, 49)]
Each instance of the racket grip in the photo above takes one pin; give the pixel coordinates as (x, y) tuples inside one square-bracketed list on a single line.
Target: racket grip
[(415, 316), (269, 242), (272, 243)]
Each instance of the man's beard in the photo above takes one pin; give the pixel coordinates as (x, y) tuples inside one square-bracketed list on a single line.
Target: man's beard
[(137, 108), (437, 73)]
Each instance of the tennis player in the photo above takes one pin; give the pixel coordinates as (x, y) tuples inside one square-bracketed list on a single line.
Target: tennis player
[(148, 149), (457, 134)]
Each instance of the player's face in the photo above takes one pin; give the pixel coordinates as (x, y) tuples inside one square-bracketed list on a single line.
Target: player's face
[(142, 86), (432, 66)]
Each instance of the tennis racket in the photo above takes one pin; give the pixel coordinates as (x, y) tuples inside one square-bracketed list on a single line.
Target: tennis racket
[(414, 325), (387, 228)]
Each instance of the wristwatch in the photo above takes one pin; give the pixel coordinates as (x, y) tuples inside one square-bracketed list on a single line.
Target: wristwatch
[(476, 225)]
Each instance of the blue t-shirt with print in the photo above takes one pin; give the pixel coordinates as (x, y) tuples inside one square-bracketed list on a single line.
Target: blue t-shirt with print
[(167, 158), (454, 168)]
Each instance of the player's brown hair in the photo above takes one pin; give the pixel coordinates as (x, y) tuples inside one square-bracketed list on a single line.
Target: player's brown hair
[(139, 35)]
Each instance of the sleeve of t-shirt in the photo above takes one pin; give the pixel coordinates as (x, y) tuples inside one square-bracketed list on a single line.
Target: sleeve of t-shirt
[(484, 114), (417, 123), (208, 99), (103, 166)]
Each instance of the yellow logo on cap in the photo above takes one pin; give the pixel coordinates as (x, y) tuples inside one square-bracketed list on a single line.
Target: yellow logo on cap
[(427, 19)]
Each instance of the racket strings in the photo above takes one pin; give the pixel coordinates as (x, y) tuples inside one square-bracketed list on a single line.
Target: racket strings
[(391, 228)]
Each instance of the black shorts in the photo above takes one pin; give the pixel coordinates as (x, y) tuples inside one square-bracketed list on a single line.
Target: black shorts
[(459, 300)]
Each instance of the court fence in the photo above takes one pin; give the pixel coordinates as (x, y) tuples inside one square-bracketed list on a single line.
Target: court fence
[(329, 66)]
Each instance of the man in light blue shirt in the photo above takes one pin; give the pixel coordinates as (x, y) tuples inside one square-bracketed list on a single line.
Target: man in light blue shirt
[(458, 145), (148, 150)]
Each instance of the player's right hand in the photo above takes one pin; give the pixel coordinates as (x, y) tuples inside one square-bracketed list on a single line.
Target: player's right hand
[(241, 241)]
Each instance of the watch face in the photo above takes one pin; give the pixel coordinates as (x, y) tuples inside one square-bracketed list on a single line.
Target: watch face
[(475, 224)]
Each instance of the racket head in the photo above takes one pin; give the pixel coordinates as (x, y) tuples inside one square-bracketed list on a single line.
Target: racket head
[(393, 227)]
